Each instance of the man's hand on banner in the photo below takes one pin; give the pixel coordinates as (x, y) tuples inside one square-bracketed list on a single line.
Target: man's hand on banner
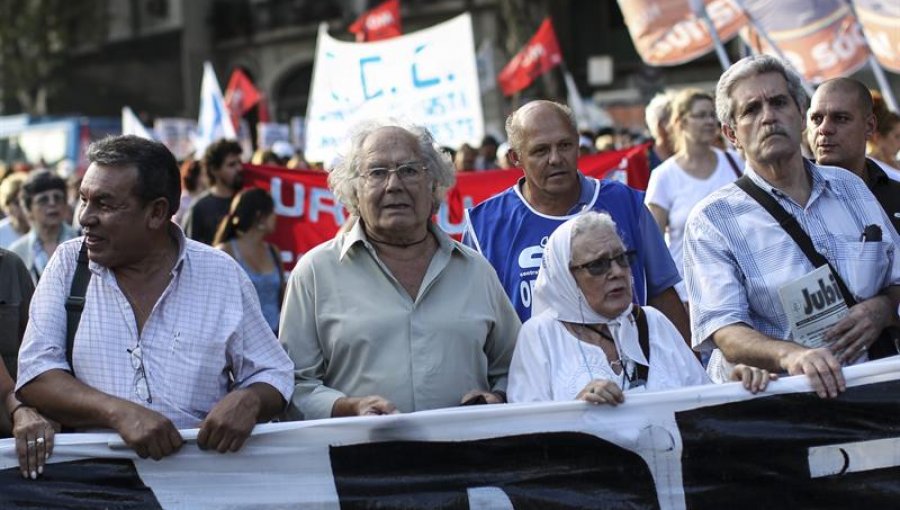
[(363, 406), (754, 379), (482, 397), (822, 368), (148, 433), (230, 421)]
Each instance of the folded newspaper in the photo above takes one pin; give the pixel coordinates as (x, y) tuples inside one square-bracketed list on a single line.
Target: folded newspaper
[(813, 303)]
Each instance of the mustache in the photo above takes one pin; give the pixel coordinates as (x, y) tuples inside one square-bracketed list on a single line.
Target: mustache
[(774, 130)]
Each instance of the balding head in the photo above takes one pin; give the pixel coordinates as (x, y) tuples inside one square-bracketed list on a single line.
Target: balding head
[(519, 120), (839, 122), (851, 87)]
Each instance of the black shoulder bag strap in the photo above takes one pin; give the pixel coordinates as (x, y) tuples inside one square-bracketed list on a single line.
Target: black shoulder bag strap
[(640, 319), (790, 225), (733, 163), (75, 301)]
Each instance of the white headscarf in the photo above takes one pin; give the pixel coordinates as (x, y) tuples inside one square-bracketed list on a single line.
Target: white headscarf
[(557, 292)]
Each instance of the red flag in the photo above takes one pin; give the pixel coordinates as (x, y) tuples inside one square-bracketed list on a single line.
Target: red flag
[(382, 22), (240, 95), (537, 57)]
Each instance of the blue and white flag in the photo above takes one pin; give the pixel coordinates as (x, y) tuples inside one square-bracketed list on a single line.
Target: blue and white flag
[(214, 121), (132, 125)]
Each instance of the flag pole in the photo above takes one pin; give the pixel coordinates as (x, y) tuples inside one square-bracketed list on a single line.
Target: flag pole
[(700, 11), (765, 35)]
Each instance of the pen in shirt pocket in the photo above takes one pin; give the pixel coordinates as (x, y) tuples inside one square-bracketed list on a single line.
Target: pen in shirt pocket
[(871, 234)]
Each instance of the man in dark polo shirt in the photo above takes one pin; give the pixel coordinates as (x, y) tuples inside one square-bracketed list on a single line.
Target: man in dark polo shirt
[(222, 161), (839, 121)]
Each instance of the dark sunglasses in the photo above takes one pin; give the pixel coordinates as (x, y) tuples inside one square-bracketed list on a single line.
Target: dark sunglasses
[(600, 266)]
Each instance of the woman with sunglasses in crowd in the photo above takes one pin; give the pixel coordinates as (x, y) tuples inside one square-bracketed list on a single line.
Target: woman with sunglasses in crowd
[(584, 340)]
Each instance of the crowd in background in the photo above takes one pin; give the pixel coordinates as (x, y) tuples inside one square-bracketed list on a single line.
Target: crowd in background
[(392, 179)]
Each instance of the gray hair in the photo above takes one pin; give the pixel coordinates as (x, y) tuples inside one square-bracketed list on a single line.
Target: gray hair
[(515, 131), (753, 66), (343, 177), (658, 112), (590, 222)]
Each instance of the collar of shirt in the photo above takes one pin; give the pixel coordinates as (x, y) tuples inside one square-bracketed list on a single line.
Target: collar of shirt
[(585, 197), (357, 235), (820, 183)]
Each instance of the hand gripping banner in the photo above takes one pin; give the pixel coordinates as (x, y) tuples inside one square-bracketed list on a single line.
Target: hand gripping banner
[(714, 446)]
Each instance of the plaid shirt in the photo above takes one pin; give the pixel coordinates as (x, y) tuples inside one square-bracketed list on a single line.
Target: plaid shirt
[(737, 256), (205, 336)]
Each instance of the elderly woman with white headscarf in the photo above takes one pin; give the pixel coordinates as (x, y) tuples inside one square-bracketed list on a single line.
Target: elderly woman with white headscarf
[(584, 340)]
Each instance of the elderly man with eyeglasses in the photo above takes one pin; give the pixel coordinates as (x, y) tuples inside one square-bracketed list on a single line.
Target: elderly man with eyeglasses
[(392, 315), (171, 335), (43, 197)]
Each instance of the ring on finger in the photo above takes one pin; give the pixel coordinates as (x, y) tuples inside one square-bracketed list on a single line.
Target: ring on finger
[(30, 444), (40, 440)]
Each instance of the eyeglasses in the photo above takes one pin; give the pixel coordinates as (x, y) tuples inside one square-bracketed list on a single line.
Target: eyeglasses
[(703, 115), (408, 173), (141, 387), (601, 265), (50, 197)]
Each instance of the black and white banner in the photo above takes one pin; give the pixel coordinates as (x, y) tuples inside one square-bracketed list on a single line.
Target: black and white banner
[(701, 447)]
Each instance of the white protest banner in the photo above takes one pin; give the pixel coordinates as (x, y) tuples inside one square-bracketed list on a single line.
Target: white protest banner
[(713, 446), (427, 77)]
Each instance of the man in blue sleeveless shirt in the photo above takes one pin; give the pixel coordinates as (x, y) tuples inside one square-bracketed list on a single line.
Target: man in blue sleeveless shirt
[(511, 228)]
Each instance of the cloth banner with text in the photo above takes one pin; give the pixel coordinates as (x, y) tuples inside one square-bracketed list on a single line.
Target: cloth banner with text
[(713, 446), (669, 33), (308, 214), (820, 38), (428, 77)]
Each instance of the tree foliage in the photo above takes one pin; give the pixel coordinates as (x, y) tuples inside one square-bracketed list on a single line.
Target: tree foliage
[(36, 36)]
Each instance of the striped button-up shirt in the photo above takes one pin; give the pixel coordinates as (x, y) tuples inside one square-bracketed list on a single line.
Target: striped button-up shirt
[(205, 336), (737, 256)]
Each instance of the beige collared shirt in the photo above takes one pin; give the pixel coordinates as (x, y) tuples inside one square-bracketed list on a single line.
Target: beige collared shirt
[(352, 330)]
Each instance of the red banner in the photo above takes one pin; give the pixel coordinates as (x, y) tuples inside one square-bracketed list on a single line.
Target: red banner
[(537, 57), (820, 38), (382, 22), (880, 21), (308, 215), (668, 33)]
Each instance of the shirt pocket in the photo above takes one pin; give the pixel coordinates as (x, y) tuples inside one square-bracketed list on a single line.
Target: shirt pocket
[(863, 266), (196, 374)]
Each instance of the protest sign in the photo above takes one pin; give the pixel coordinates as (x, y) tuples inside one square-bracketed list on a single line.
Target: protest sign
[(427, 76)]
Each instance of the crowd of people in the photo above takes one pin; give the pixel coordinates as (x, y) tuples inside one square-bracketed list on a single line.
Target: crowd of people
[(170, 309)]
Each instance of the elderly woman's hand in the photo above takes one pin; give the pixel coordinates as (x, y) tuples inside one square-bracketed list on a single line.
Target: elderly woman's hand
[(754, 379), (34, 440), (602, 391)]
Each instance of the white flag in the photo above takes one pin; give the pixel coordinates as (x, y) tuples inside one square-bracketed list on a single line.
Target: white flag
[(132, 125), (214, 122)]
